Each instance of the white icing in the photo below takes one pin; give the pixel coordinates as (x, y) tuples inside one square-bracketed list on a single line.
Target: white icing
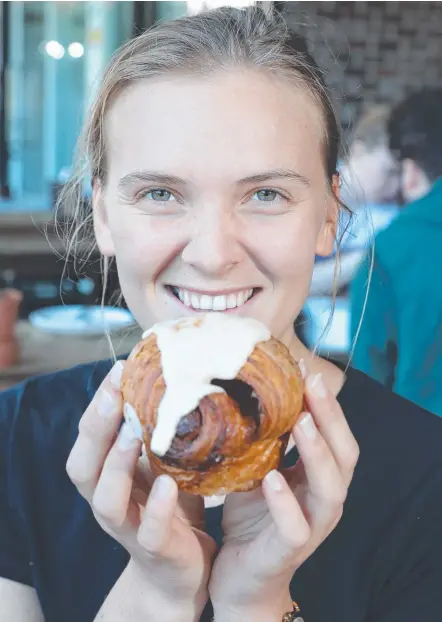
[(131, 419), (194, 351)]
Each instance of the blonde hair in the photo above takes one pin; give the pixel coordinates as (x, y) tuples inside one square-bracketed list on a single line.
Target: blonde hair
[(216, 40)]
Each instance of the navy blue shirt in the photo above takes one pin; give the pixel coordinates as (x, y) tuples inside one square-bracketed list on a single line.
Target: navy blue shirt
[(382, 563)]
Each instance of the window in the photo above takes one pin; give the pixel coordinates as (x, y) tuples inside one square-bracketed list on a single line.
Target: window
[(53, 56)]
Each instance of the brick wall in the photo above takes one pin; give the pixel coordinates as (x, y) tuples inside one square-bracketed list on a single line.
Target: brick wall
[(372, 51)]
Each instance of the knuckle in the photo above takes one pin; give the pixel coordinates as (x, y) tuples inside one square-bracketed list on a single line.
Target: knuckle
[(338, 516), (355, 453), (77, 474), (335, 498), (150, 545), (70, 468), (105, 512), (294, 539), (351, 455), (105, 526)]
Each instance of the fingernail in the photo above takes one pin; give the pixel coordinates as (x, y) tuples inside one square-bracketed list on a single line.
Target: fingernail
[(302, 368), (106, 404), (131, 418), (126, 438), (308, 427), (115, 375), (274, 480), (317, 386), (163, 487)]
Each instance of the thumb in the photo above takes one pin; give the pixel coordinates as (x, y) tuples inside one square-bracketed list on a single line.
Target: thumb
[(155, 530)]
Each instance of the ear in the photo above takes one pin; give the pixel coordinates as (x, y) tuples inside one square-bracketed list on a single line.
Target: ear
[(327, 235), (101, 227), (409, 177), (414, 181)]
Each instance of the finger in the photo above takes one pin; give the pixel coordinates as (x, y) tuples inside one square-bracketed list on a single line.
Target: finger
[(290, 531), (144, 477), (154, 533), (191, 509), (143, 480), (333, 425), (97, 430), (113, 491), (323, 477)]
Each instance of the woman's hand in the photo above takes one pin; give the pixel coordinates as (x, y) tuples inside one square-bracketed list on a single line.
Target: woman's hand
[(271, 531), (160, 528)]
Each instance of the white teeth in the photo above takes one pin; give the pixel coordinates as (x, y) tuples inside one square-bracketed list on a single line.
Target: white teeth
[(195, 301), (205, 302), (231, 301), (220, 303)]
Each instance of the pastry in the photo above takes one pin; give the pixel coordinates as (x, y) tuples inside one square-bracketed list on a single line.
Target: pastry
[(214, 399)]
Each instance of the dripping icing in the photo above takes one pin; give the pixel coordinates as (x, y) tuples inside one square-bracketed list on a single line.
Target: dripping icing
[(194, 351)]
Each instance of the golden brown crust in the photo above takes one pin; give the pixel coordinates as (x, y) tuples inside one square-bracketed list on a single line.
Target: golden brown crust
[(217, 448)]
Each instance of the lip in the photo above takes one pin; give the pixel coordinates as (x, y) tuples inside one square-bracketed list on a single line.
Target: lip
[(168, 290)]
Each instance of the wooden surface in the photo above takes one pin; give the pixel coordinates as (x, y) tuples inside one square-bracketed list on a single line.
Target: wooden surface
[(31, 233), (19, 220), (43, 352), (28, 233)]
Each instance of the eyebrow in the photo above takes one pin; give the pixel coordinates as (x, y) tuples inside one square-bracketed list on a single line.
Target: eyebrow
[(275, 174), (171, 180), (149, 176)]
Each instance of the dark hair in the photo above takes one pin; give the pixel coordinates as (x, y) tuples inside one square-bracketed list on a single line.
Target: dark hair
[(415, 131)]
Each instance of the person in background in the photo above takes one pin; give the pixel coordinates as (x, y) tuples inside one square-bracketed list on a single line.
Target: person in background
[(369, 174), (369, 186), (397, 326)]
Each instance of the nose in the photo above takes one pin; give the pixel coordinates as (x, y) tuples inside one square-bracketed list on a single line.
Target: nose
[(214, 248)]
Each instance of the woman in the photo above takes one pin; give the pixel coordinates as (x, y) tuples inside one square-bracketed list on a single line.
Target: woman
[(213, 150)]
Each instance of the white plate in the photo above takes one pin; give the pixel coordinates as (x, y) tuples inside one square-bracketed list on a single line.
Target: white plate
[(80, 320)]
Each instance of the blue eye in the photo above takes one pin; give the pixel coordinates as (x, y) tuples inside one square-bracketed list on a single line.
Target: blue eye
[(160, 195), (267, 195)]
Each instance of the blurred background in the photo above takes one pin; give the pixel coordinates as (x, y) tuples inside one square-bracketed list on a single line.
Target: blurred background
[(51, 58)]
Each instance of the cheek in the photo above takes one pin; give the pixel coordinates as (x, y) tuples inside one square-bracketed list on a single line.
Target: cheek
[(286, 250), (139, 249)]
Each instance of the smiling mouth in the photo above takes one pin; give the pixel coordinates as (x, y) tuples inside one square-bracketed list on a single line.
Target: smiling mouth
[(205, 302)]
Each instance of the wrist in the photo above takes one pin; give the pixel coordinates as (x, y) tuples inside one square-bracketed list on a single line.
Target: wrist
[(270, 610), (153, 601)]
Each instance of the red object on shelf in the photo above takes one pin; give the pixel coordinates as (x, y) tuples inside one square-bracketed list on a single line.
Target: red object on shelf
[(10, 300)]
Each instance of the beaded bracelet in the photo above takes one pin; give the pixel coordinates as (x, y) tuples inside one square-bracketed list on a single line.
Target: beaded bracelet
[(291, 616)]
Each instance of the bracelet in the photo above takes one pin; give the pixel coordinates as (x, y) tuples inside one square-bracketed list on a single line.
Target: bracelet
[(291, 616)]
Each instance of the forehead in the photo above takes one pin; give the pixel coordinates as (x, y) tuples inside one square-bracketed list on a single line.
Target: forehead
[(227, 121)]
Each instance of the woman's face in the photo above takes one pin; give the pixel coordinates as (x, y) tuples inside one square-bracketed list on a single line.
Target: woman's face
[(216, 197)]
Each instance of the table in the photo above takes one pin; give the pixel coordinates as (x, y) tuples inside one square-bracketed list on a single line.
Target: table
[(30, 233), (44, 353), (32, 259)]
